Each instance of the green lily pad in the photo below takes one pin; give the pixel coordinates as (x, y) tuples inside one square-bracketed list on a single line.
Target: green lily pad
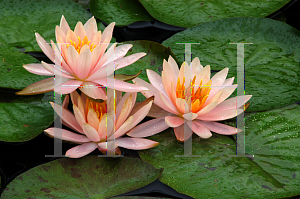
[(13, 75), (22, 22), (156, 53), (271, 62), (87, 177), (22, 118), (190, 13), (128, 12), (273, 172)]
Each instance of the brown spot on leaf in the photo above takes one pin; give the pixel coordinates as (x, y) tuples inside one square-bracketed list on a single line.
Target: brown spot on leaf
[(75, 173), (201, 3), (41, 179), (46, 190), (8, 69), (27, 191), (46, 168), (294, 176), (20, 178), (266, 187), (54, 188), (26, 125), (210, 16), (153, 62), (97, 166)]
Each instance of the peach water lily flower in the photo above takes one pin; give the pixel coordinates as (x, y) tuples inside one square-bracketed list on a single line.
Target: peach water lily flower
[(84, 62), (190, 96), (95, 124)]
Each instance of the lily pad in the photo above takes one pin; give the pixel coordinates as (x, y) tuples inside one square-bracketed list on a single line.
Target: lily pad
[(271, 62), (156, 53), (190, 13), (128, 11), (87, 177), (13, 75), (22, 118), (21, 22), (273, 172)]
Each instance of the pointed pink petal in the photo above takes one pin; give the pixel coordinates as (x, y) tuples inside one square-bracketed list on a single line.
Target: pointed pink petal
[(227, 91), (39, 87), (199, 129), (123, 109), (140, 114), (45, 47), (78, 115), (152, 91), (181, 136), (90, 132), (157, 112), (81, 106), (71, 36), (64, 25), (136, 143), (92, 118), (37, 69), (107, 33), (217, 82), (220, 115), (67, 135), (196, 67), (79, 30), (67, 87), (67, 117), (120, 85), (182, 106), (103, 72), (93, 90), (122, 50), (156, 81), (173, 121), (120, 103), (85, 47), (106, 127), (186, 72), (97, 38), (105, 145), (126, 126), (168, 78), (90, 28), (207, 108), (128, 60), (56, 70), (83, 64), (81, 150), (74, 97), (233, 103), (204, 75), (228, 81), (173, 66), (83, 97), (214, 98), (220, 128), (167, 104), (149, 128), (60, 33), (96, 56), (72, 56), (66, 102)]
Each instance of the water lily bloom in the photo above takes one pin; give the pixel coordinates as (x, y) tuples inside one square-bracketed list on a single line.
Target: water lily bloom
[(95, 124), (190, 96), (83, 60)]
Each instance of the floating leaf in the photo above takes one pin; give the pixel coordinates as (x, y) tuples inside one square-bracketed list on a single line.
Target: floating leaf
[(190, 13), (271, 62), (22, 118), (273, 172), (128, 12), (87, 177)]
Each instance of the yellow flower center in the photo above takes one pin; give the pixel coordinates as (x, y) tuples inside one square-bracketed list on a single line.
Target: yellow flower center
[(198, 97), (81, 43), (100, 108)]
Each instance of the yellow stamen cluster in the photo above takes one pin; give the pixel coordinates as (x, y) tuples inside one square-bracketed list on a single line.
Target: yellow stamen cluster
[(81, 44), (100, 108), (198, 97)]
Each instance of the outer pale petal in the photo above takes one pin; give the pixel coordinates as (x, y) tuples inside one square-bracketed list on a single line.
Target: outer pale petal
[(167, 104), (173, 66), (72, 56), (90, 28), (55, 70), (228, 81), (60, 33), (79, 117), (208, 108), (196, 67), (157, 112), (227, 91), (107, 33), (64, 25), (136, 143), (217, 82), (126, 126), (90, 132), (81, 150), (181, 136), (68, 87), (67, 135), (121, 86), (233, 103), (220, 115), (173, 121), (199, 129), (122, 50), (83, 64), (39, 87), (219, 128), (204, 75), (93, 90), (67, 117), (128, 60), (156, 81), (37, 69), (123, 112), (149, 128), (79, 30), (103, 72)]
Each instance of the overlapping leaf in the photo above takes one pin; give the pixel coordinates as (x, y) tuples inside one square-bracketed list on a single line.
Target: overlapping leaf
[(271, 62), (87, 177)]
